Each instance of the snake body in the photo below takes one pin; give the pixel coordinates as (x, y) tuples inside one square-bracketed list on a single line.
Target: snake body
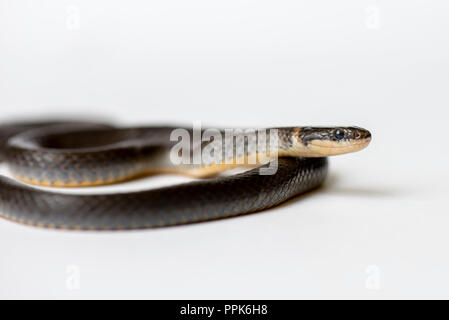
[(81, 154)]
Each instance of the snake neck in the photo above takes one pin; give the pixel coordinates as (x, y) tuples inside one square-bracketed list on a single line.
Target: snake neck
[(241, 148)]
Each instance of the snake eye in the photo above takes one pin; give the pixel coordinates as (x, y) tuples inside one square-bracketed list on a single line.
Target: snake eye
[(339, 134)]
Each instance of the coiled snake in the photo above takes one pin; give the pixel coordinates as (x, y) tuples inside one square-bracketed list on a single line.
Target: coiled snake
[(81, 154)]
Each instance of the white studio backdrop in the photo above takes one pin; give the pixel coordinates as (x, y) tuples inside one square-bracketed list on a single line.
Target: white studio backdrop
[(378, 229)]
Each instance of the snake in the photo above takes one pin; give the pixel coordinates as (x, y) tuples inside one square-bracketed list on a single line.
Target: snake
[(78, 154)]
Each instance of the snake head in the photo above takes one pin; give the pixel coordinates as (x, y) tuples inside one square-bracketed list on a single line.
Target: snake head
[(327, 141)]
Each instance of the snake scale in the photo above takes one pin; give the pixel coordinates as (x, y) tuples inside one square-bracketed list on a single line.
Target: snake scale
[(76, 154)]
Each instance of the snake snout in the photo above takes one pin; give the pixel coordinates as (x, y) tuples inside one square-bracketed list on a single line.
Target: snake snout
[(358, 133)]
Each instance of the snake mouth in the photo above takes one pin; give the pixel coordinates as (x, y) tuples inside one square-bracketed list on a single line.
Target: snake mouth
[(323, 148)]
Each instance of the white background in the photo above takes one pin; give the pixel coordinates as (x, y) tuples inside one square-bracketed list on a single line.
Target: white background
[(379, 228)]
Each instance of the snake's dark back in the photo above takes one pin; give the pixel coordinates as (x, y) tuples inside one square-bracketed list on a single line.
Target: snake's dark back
[(186, 203), (84, 154)]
